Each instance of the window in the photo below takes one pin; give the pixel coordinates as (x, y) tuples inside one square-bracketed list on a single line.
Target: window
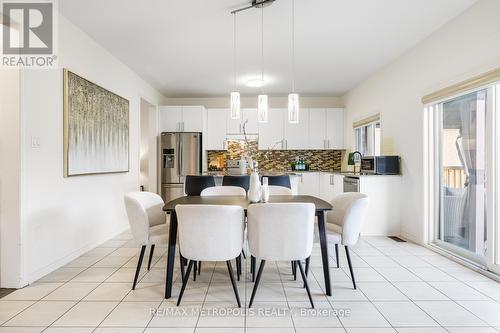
[(368, 139)]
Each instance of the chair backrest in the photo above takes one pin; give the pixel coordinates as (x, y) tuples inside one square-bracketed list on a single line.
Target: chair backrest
[(223, 190), (144, 210), (279, 190), (282, 180), (195, 184), (210, 232), (348, 213), (241, 181), (281, 231)]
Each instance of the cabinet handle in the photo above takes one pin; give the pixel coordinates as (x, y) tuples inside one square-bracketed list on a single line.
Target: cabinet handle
[(328, 143), (183, 126), (286, 144)]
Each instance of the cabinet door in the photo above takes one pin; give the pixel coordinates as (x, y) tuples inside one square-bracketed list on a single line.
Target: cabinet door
[(250, 117), (192, 118), (271, 133), (338, 184), (234, 125), (335, 128), (297, 135), (317, 129), (170, 118), (326, 187), (309, 183), (216, 129)]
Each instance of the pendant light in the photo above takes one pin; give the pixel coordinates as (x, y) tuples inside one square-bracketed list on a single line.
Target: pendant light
[(262, 105), (293, 97), (235, 95)]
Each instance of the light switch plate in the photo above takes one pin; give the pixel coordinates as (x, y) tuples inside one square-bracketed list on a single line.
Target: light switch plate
[(35, 142)]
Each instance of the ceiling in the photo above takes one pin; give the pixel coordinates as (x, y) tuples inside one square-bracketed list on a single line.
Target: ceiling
[(184, 48)]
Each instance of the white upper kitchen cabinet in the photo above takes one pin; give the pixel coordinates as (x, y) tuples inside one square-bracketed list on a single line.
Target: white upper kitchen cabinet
[(170, 118), (271, 134), (250, 117), (216, 129), (297, 135), (192, 118), (335, 128), (317, 129), (181, 118), (308, 183)]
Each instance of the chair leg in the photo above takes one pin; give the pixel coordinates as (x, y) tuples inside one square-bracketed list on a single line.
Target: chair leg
[(185, 281), (151, 251), (238, 266), (256, 285), (350, 266), (139, 264), (182, 263), (199, 267), (308, 259), (337, 255), (304, 278), (243, 253), (294, 270), (253, 261), (235, 288), (195, 269)]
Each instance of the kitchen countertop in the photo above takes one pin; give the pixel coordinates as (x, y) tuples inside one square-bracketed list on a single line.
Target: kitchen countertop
[(291, 173)]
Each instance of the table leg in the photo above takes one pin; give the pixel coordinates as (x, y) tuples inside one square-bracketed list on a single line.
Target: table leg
[(324, 251), (172, 239)]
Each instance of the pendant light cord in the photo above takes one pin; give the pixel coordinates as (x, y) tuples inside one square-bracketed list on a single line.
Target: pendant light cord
[(262, 48), (234, 51), (293, 46)]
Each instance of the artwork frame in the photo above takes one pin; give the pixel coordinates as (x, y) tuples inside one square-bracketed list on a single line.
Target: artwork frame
[(96, 128)]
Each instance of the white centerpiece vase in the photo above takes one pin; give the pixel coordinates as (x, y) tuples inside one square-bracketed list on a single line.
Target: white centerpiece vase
[(254, 190)]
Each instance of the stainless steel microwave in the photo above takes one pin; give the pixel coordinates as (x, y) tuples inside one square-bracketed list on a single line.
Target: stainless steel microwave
[(380, 165)]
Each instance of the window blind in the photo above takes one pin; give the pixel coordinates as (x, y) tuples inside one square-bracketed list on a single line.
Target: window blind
[(475, 82)]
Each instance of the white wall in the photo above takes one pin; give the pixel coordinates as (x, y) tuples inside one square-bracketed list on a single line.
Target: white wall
[(10, 179), (464, 47), (63, 217)]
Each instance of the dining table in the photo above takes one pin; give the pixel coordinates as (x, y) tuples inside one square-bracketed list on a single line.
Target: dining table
[(321, 207)]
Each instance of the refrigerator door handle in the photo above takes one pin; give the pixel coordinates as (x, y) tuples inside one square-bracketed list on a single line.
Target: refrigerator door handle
[(181, 146), (178, 157)]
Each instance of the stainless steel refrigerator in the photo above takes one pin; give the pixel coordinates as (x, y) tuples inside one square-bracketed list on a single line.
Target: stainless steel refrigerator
[(180, 155)]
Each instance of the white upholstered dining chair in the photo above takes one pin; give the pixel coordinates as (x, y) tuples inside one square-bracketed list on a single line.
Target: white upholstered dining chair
[(210, 233), (147, 222), (223, 190), (279, 190), (281, 232), (344, 223)]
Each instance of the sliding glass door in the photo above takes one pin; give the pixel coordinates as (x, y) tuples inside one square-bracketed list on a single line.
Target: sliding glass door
[(462, 166)]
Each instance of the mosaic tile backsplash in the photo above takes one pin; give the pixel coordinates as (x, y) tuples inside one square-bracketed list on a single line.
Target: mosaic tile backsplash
[(274, 160)]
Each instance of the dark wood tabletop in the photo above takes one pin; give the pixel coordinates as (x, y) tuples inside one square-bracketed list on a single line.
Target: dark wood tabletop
[(243, 202)]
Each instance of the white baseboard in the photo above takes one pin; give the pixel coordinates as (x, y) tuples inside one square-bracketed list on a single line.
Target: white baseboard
[(66, 259)]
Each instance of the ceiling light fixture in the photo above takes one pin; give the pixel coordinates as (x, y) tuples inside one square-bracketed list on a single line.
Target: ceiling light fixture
[(262, 105), (235, 95), (293, 97), (255, 83)]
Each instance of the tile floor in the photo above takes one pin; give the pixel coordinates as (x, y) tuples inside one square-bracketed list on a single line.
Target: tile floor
[(402, 287)]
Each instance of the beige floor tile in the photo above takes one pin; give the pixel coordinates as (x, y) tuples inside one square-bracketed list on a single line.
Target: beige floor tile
[(146, 292), (131, 314), (170, 315), (404, 314), (124, 275), (359, 314), (42, 313), (112, 291), (33, 292), (63, 274), (71, 291), (94, 274), (221, 314), (9, 309), (88, 314), (321, 316), (69, 330), (269, 314), (21, 329)]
